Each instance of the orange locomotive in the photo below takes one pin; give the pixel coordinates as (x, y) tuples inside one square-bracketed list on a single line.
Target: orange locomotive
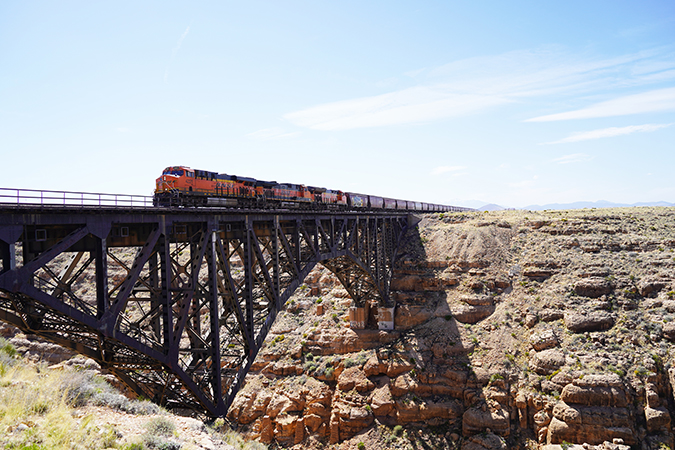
[(182, 186)]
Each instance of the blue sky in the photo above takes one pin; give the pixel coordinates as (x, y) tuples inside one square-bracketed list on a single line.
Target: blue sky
[(515, 103)]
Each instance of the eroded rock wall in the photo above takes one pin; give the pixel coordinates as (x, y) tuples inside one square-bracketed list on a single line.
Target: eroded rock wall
[(512, 330)]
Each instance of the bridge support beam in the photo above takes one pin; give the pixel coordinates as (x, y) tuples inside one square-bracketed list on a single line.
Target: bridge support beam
[(178, 305)]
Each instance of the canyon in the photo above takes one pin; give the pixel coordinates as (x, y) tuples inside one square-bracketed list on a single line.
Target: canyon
[(512, 329)]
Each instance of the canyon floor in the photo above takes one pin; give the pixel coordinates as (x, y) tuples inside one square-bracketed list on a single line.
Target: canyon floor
[(513, 330)]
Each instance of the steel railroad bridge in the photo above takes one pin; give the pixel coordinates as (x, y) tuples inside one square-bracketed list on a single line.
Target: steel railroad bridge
[(176, 302)]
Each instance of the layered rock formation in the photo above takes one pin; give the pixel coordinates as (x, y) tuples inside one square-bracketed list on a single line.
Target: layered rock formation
[(512, 330)]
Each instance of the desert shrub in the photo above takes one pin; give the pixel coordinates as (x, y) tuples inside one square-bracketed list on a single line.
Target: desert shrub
[(620, 372), (26, 393), (110, 399), (133, 446), (7, 348), (80, 387), (7, 356), (348, 362), (310, 366), (495, 376), (398, 429), (141, 407), (160, 426), (159, 430)]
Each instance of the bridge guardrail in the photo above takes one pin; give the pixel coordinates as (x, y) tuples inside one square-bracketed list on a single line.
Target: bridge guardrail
[(18, 197)]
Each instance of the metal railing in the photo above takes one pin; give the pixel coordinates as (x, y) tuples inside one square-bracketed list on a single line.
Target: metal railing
[(27, 197)]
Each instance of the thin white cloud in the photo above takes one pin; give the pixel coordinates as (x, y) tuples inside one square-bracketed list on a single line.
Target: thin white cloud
[(610, 132), (647, 102), (445, 169), (175, 51), (410, 105), (574, 158), (271, 133), (180, 41), (477, 84)]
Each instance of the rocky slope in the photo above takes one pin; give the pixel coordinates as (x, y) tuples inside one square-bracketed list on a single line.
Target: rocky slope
[(513, 330)]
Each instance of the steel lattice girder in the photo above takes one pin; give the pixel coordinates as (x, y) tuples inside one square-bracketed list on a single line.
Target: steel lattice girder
[(177, 306)]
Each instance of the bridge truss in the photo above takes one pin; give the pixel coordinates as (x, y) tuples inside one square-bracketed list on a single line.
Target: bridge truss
[(177, 303)]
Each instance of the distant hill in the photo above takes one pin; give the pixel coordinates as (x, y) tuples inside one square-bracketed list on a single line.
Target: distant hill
[(598, 204), (491, 207)]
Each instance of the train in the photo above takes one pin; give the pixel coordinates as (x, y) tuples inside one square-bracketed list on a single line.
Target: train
[(181, 186)]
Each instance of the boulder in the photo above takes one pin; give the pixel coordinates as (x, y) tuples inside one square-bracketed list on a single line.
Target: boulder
[(543, 340), (354, 378), (470, 313), (547, 361), (279, 403), (241, 404), (266, 429), (382, 401), (593, 287), (549, 315), (284, 430), (313, 422), (596, 390), (353, 419), (407, 316), (257, 408), (421, 283), (669, 331), (403, 384), (398, 366), (475, 421), (658, 419), (599, 416), (592, 321), (487, 441), (478, 300), (408, 411), (649, 288), (375, 367), (559, 431)]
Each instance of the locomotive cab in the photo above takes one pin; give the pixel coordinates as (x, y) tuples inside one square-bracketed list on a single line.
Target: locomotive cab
[(175, 179)]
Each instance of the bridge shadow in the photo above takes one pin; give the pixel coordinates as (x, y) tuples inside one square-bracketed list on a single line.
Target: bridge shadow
[(435, 345)]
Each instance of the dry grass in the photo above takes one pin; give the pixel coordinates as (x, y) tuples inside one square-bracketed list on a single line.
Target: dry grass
[(35, 412), (52, 409)]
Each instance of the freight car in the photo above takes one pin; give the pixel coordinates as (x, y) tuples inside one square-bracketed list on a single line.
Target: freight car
[(185, 187)]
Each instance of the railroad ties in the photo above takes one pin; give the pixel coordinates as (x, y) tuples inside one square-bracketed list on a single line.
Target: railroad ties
[(177, 302)]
